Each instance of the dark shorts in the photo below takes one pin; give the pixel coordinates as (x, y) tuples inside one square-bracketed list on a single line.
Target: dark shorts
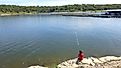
[(79, 59)]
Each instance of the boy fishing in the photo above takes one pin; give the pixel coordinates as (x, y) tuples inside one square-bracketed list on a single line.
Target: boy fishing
[(80, 57)]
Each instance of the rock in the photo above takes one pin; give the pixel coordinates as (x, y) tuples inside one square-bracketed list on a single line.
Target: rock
[(88, 61), (37, 66), (109, 58), (96, 60)]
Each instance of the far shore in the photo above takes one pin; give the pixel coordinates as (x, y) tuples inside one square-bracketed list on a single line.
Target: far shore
[(17, 14), (51, 13)]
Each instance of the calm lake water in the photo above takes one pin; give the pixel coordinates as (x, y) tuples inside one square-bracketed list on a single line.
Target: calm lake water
[(49, 40)]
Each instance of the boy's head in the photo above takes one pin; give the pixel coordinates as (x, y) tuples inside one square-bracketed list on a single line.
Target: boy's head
[(80, 51)]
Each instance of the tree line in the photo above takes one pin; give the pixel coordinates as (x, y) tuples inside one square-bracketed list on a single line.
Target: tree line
[(65, 8)]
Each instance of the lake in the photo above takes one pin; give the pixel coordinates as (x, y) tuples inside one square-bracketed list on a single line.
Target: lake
[(49, 40)]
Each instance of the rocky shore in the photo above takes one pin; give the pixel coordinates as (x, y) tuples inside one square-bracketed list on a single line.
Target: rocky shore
[(91, 62)]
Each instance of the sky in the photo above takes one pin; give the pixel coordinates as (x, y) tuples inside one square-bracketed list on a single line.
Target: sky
[(56, 2)]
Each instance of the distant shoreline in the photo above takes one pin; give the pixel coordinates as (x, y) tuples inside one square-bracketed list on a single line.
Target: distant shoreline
[(100, 14), (52, 13), (15, 14)]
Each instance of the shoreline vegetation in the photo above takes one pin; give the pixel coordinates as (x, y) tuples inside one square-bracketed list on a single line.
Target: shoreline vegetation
[(15, 10), (90, 62)]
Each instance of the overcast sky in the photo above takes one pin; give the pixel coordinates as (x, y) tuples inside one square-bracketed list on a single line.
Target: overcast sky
[(57, 2)]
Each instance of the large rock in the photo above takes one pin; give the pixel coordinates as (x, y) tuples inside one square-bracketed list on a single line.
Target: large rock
[(109, 58), (37, 66), (92, 62)]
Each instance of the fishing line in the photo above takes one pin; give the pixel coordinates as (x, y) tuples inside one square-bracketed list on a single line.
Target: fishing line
[(77, 40)]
